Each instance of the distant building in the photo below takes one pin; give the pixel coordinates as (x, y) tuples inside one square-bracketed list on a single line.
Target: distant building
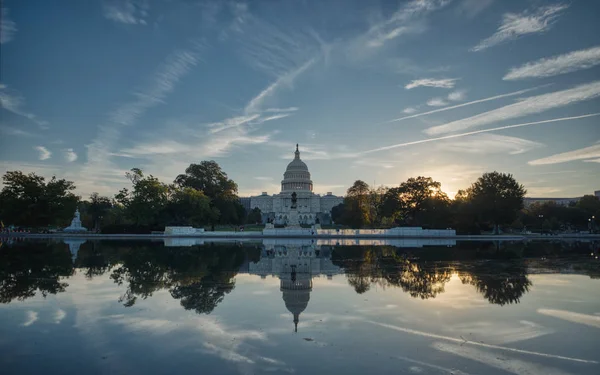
[(312, 208), (559, 201)]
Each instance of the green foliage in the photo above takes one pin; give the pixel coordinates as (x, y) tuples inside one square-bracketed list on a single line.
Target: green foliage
[(496, 198), (414, 196), (28, 200), (209, 178), (254, 216)]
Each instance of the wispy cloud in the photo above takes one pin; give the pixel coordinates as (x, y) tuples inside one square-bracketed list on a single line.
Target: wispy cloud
[(444, 83), (463, 105), (44, 153), (70, 155), (528, 106), (12, 101), (403, 21), (7, 27), (457, 96), (231, 122), (398, 145), (471, 8), (9, 130), (261, 178), (490, 144), (586, 154), (436, 102), (515, 25), (131, 12), (409, 110), (281, 110), (553, 66), (286, 80), (176, 66)]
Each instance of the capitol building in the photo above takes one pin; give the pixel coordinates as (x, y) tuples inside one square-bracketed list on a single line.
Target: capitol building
[(312, 208)]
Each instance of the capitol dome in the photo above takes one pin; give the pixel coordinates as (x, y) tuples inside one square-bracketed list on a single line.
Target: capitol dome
[(296, 176)]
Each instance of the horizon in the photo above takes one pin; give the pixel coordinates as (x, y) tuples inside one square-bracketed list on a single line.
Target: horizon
[(379, 92)]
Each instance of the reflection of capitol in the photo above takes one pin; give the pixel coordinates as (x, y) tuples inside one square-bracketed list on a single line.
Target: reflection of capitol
[(295, 263)]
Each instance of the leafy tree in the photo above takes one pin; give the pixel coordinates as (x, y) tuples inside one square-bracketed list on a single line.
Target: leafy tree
[(357, 205), (338, 213), (28, 200), (497, 198), (188, 206), (209, 178), (98, 208), (255, 216), (405, 201), (146, 201)]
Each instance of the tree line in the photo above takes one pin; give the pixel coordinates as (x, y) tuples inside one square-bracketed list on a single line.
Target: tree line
[(494, 202), (203, 195)]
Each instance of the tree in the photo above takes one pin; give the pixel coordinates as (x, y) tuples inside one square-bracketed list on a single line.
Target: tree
[(254, 216), (189, 207), (405, 201), (209, 178), (28, 200), (98, 208), (146, 201), (497, 198), (357, 205), (338, 213)]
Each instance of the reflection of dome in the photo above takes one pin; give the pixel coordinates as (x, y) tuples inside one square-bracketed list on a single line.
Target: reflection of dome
[(296, 302), (296, 176)]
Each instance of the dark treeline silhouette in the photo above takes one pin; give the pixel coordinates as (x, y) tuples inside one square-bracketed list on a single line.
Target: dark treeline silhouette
[(203, 195), (201, 276)]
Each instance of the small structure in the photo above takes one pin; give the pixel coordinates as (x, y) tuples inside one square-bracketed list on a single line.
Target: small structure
[(183, 231), (75, 224)]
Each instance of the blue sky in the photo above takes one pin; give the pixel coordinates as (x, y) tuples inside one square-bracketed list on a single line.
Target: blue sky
[(91, 89)]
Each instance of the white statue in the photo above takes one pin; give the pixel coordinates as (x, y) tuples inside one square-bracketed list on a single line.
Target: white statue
[(75, 224)]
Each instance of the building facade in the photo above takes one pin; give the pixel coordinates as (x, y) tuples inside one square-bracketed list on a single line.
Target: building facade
[(312, 208)]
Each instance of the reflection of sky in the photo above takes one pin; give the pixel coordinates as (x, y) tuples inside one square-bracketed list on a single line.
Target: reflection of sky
[(86, 329)]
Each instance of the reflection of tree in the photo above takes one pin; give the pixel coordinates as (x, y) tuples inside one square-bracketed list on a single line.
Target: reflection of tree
[(199, 276), (500, 283), (29, 267), (419, 280), (383, 265)]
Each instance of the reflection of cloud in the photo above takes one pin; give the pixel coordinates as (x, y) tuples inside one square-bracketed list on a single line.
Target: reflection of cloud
[(507, 364), (32, 317), (589, 320), (500, 333), (59, 316), (475, 343)]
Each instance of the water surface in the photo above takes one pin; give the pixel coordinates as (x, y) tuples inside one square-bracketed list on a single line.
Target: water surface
[(299, 306)]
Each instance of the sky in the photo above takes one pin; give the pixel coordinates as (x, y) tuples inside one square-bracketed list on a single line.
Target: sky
[(373, 90)]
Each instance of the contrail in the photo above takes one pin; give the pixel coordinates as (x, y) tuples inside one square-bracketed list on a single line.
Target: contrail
[(463, 104), (475, 132)]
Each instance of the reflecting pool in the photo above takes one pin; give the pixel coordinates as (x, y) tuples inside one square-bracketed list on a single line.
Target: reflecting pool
[(184, 306)]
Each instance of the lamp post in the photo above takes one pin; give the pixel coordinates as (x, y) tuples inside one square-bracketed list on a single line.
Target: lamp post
[(541, 217), (591, 222)]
